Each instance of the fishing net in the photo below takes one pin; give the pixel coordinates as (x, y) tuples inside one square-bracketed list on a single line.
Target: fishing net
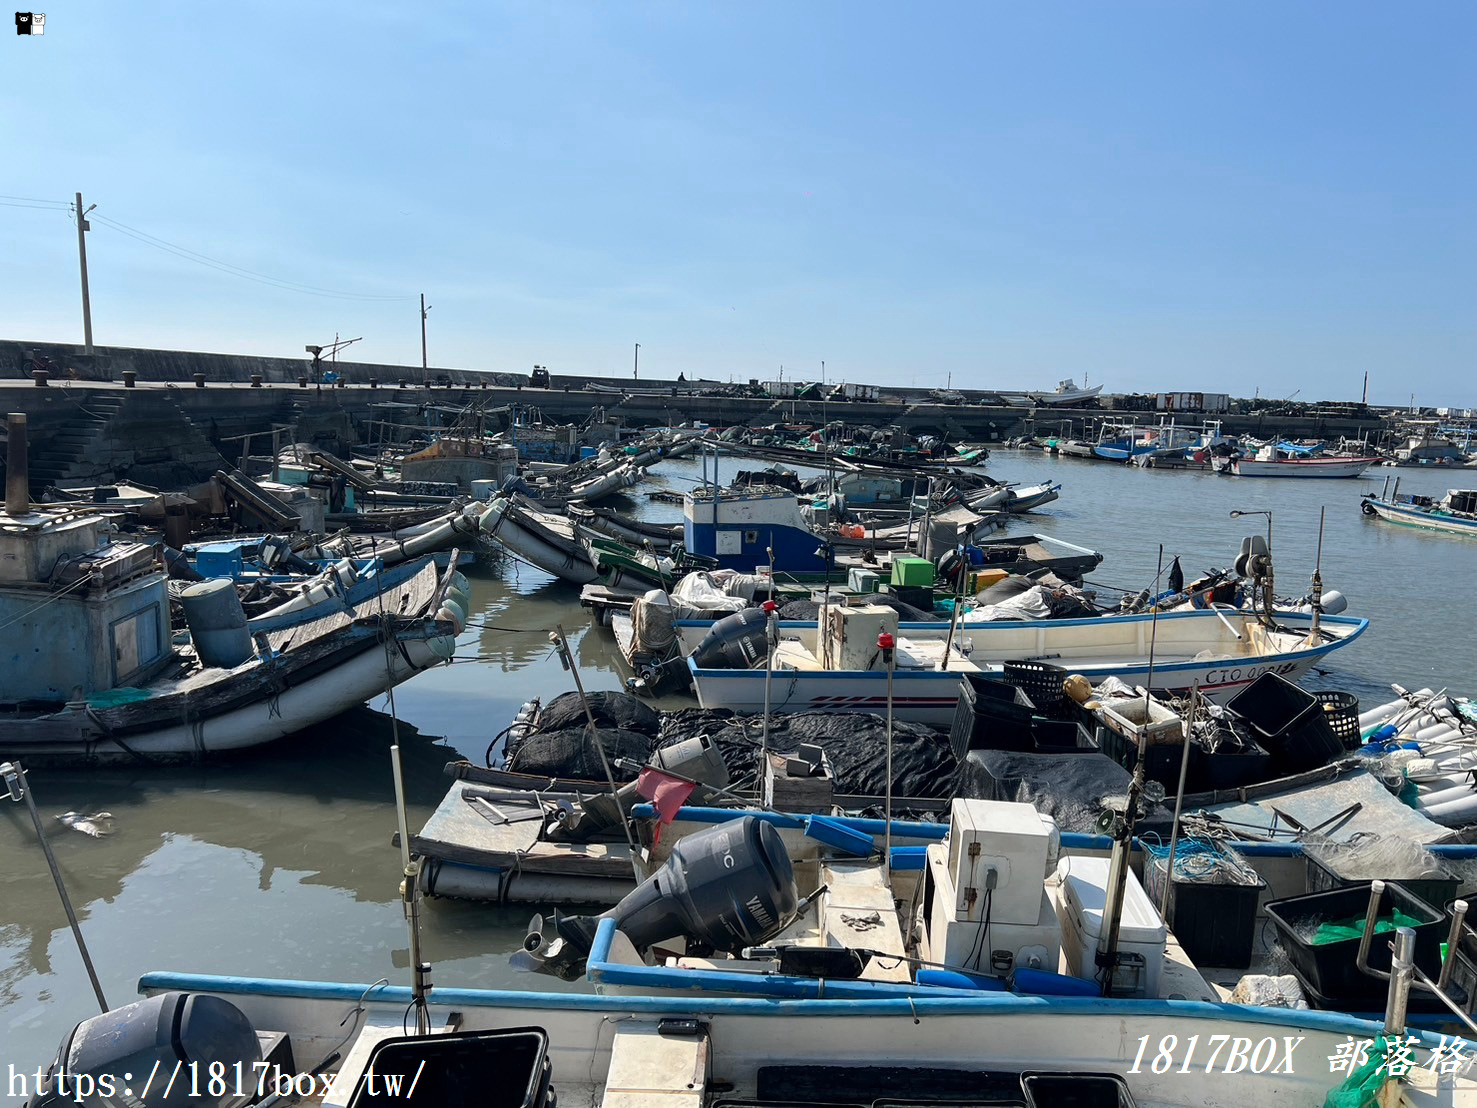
[(922, 763), (611, 709), (570, 753), (1070, 788)]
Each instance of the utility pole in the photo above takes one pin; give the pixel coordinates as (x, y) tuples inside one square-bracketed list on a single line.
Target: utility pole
[(636, 363), (424, 309), (82, 226), (1365, 398)]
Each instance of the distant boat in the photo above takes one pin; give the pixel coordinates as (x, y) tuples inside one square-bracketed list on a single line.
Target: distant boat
[(1270, 462), (1456, 512), (1066, 392)]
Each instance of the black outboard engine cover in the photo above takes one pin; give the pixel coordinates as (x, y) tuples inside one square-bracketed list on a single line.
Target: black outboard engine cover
[(730, 886), (734, 642), (170, 1030)]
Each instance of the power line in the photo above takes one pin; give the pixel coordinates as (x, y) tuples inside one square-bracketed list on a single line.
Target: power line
[(37, 207), (235, 270), (37, 200)]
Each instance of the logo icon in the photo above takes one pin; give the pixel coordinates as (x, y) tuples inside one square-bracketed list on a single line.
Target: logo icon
[(30, 23)]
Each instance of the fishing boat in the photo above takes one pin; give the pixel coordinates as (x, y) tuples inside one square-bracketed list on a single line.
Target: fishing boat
[(1454, 513), (837, 665), (542, 539), (456, 526), (1066, 392), (1272, 460), (1122, 442), (344, 1043), (106, 683), (1031, 497), (744, 527)]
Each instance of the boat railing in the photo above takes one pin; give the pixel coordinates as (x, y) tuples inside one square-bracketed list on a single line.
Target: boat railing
[(1403, 974)]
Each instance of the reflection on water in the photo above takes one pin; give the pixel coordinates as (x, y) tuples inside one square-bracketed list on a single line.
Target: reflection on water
[(280, 863)]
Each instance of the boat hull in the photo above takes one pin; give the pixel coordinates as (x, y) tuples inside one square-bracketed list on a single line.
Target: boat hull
[(1308, 467), (930, 696), (1430, 518)]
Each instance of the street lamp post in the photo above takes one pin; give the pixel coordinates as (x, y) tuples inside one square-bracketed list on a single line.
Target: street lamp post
[(636, 363), (1238, 513)]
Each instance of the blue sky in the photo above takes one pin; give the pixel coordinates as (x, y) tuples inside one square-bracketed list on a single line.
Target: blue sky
[(1228, 197)]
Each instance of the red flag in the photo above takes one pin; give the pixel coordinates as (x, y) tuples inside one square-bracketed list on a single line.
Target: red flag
[(666, 792)]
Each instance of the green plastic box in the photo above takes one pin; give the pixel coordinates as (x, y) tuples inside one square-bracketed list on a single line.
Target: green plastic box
[(912, 573)]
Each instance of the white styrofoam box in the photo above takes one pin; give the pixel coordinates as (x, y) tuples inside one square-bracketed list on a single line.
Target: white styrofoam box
[(1012, 839), (1084, 885), (862, 580), (853, 631), (1033, 946)]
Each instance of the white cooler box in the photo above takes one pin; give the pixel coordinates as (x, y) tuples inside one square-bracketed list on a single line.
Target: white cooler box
[(1084, 883)]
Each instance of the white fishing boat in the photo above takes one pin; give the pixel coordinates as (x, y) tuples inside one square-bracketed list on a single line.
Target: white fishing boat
[(356, 1043), (1030, 497), (1454, 513), (841, 668), (1066, 392), (542, 539), (1272, 462), (457, 526)]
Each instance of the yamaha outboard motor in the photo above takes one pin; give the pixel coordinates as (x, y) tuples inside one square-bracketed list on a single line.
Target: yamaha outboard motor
[(734, 642), (107, 1060), (730, 886)]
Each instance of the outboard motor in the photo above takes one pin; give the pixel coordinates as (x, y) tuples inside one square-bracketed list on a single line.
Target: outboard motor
[(276, 554), (731, 886), (734, 642), (165, 1032), (696, 759)]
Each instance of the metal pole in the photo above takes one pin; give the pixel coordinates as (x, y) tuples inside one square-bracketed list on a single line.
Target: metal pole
[(567, 657), (636, 363), (1179, 797), (61, 890), (409, 867), (887, 643), (424, 310), (1402, 969), (82, 226)]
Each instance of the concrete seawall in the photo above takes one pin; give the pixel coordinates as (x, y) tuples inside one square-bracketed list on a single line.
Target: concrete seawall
[(87, 428)]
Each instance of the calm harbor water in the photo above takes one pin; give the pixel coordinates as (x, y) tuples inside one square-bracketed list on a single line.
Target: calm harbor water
[(280, 865)]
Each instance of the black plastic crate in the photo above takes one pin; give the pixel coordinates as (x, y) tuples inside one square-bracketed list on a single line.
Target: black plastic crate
[(1040, 681), (1329, 969), (1076, 1090), (1438, 888), (1060, 736), (1214, 921), (1341, 709), (990, 715), (1289, 722)]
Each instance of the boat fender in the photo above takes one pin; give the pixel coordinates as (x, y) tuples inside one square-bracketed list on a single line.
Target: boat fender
[(953, 979), (1367, 508), (453, 611), (1034, 982)]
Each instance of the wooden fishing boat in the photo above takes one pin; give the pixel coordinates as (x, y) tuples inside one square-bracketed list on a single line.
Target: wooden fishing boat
[(1272, 462)]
